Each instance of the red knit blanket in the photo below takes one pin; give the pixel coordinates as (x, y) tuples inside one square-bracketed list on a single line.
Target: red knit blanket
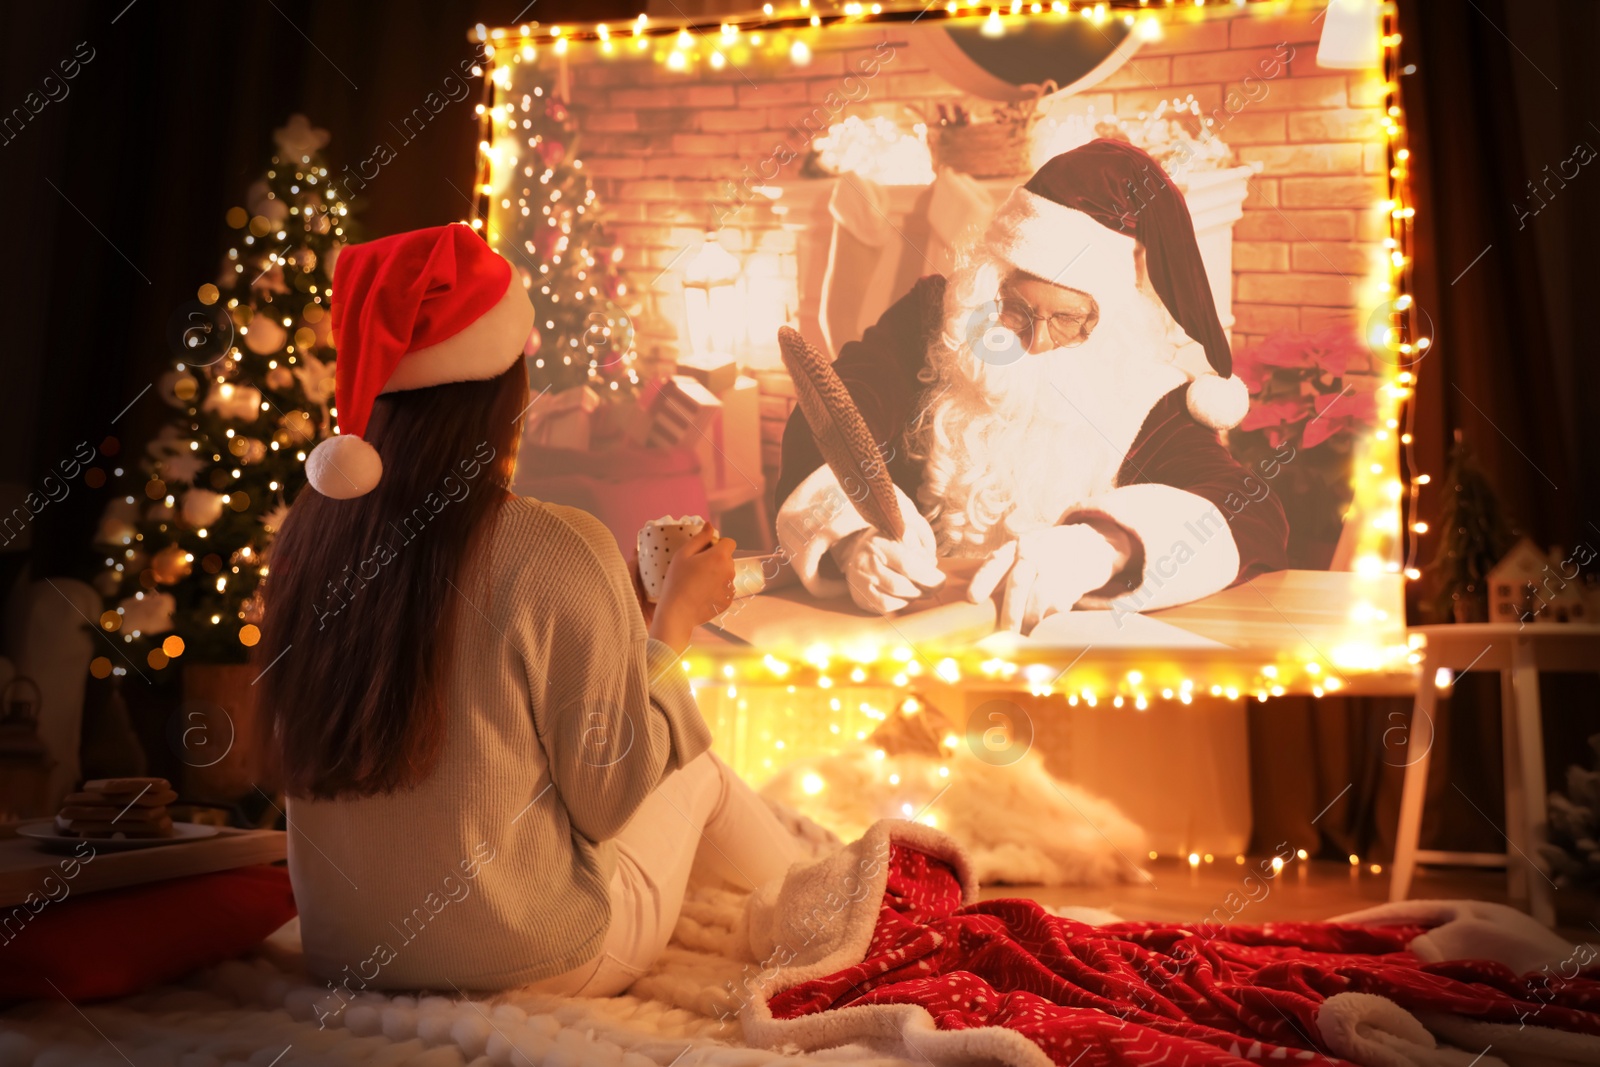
[(1148, 993)]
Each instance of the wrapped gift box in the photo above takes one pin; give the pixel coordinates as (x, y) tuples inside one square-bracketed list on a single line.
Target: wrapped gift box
[(682, 410), (624, 488), (730, 452), (777, 403), (626, 424), (716, 373), (563, 420)]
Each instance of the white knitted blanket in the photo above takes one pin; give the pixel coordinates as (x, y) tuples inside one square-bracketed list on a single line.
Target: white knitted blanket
[(264, 1011)]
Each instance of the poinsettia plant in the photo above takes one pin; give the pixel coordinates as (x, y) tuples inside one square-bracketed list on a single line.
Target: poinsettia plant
[(1301, 388), (1312, 396)]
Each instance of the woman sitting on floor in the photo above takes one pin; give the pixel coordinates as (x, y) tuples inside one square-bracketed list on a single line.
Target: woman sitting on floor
[(497, 774)]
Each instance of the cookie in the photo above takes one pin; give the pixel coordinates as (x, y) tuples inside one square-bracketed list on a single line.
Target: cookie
[(125, 786), (88, 828), (151, 799), (107, 813), (659, 540), (112, 833)]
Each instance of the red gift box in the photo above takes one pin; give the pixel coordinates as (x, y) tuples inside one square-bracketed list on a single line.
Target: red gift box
[(683, 408), (563, 420)]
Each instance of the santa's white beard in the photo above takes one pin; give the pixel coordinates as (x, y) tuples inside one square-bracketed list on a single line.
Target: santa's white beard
[(1010, 448)]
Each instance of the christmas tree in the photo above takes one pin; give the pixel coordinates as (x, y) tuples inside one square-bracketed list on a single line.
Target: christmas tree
[(187, 547), (1474, 537), (587, 335)]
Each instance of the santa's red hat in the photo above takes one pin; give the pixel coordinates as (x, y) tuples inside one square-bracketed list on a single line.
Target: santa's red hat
[(411, 311), (1077, 223)]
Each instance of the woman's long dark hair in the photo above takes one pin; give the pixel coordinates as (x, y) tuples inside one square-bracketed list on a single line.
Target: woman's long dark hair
[(360, 604)]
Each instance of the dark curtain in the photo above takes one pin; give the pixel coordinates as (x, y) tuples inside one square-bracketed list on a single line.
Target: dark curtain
[(116, 191), (1502, 97), (1499, 94)]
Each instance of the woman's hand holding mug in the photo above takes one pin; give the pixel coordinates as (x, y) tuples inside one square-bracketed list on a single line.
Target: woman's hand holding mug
[(698, 588)]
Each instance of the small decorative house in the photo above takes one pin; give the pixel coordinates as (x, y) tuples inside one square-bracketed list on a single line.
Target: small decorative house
[(1530, 586)]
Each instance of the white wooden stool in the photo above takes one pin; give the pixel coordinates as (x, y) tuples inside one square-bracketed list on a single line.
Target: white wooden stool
[(1519, 653)]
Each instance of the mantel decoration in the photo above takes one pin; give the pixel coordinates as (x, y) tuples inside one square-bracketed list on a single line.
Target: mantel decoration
[(791, 36), (1175, 134), (877, 148), (996, 146)]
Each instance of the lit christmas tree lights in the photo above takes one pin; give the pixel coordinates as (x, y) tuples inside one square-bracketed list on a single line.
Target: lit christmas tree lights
[(587, 335), (187, 548)]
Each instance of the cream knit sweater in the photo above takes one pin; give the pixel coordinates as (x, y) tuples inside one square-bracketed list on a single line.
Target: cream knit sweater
[(564, 716)]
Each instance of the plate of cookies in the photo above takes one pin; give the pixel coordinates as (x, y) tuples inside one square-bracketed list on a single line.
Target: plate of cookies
[(116, 814)]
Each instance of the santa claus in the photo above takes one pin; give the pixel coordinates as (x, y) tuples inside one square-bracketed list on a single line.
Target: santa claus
[(1030, 413)]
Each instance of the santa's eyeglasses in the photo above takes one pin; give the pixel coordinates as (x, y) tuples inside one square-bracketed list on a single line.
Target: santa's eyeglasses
[(1067, 329)]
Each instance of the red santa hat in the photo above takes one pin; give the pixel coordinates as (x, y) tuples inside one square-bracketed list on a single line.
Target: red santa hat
[(411, 311), (1077, 223)]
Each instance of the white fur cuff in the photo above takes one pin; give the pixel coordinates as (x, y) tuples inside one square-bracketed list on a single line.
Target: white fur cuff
[(1374, 1030), (815, 517), (1189, 551), (1062, 245), (1476, 930)]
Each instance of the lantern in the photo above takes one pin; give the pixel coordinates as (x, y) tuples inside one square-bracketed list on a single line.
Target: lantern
[(25, 762), (710, 298)]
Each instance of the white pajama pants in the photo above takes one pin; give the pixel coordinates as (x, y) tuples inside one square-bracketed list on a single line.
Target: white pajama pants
[(701, 820)]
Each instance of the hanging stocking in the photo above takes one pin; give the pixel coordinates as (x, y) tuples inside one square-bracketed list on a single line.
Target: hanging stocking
[(861, 233)]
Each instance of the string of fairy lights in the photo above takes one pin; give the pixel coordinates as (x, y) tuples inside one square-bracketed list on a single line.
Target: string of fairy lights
[(250, 394), (1402, 335), (1386, 487)]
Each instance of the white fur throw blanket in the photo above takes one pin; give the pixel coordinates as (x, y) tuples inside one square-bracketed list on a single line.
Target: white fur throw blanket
[(262, 1011), (1069, 837)]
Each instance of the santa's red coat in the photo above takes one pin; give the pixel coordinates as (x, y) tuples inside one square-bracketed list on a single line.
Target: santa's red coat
[(1170, 449)]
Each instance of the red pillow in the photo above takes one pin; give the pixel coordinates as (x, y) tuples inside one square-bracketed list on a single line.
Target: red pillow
[(121, 941)]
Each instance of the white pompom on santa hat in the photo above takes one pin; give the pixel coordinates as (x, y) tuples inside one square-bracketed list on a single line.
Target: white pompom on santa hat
[(1078, 223), (414, 310)]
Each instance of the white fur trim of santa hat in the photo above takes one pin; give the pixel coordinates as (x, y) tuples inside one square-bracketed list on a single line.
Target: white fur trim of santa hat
[(1062, 245), (345, 466), (485, 349), (1216, 402)]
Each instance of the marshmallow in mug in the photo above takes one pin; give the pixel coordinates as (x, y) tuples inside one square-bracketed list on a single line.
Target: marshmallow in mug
[(659, 541)]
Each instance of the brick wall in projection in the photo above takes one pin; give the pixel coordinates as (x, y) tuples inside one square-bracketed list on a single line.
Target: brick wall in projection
[(674, 153)]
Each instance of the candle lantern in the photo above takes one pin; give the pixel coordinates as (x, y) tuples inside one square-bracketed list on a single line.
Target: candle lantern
[(711, 299), (25, 762)]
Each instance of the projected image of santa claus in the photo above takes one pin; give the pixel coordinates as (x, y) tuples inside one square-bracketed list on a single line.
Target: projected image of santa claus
[(1030, 413)]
